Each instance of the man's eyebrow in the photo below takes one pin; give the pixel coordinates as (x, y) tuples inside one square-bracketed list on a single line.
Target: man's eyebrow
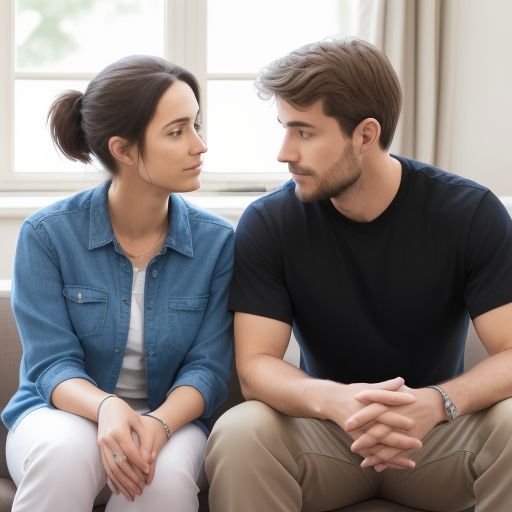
[(297, 124)]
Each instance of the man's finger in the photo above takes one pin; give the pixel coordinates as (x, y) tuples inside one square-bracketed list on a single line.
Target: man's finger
[(375, 460), (391, 384), (384, 396), (366, 415)]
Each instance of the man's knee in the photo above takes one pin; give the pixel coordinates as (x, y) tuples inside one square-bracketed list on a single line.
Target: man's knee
[(240, 433), (498, 421)]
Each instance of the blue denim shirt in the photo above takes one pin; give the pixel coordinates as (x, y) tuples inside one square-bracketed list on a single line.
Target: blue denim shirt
[(71, 295)]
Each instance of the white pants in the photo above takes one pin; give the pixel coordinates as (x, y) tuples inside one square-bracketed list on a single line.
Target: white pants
[(55, 462)]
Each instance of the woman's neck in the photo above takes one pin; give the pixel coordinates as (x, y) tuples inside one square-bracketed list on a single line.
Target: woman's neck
[(138, 212)]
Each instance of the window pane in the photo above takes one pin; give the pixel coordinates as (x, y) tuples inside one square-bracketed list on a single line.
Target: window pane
[(243, 132), (33, 148), (262, 31), (85, 35)]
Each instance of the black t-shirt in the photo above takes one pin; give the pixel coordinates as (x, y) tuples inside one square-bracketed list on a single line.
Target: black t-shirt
[(371, 301)]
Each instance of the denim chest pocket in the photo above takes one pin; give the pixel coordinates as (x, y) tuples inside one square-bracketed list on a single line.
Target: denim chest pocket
[(87, 309), (185, 317)]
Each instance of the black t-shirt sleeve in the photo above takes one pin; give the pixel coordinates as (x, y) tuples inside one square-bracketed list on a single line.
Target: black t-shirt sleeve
[(488, 257), (258, 284)]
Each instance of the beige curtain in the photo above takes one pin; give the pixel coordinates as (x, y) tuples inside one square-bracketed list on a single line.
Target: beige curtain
[(419, 38)]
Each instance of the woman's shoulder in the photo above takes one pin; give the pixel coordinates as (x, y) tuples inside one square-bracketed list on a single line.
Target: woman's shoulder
[(74, 203), (201, 216)]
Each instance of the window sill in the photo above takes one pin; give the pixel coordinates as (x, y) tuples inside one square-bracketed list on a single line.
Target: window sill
[(230, 206)]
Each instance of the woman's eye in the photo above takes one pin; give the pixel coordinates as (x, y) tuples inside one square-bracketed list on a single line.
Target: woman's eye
[(175, 133), (197, 127)]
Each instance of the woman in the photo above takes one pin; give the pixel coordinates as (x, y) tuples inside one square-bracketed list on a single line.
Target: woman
[(120, 297)]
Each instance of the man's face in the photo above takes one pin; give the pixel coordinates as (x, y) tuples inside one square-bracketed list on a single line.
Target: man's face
[(319, 156)]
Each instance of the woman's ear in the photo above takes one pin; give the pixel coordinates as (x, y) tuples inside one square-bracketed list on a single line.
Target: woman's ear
[(368, 132), (121, 150)]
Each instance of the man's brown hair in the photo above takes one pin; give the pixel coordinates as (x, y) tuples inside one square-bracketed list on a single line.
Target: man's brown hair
[(354, 79)]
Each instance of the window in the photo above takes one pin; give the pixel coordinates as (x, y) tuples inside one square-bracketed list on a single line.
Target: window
[(46, 47)]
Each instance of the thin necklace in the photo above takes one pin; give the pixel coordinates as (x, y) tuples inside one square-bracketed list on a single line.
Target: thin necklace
[(137, 256)]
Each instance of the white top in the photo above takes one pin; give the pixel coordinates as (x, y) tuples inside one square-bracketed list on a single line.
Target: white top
[(132, 378)]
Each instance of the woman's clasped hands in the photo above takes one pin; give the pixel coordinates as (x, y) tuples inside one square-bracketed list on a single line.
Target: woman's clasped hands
[(129, 445)]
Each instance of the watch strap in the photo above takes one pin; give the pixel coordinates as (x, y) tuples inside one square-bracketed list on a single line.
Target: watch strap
[(449, 406)]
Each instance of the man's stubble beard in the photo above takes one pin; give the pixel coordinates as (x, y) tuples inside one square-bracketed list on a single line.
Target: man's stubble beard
[(336, 181)]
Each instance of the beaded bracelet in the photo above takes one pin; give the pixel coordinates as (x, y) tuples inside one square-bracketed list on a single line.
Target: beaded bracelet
[(101, 404), (166, 427)]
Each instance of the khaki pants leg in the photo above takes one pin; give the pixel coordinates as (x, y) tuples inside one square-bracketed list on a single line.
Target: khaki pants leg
[(258, 459), (471, 457)]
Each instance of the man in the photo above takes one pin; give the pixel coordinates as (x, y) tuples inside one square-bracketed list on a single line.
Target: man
[(377, 262)]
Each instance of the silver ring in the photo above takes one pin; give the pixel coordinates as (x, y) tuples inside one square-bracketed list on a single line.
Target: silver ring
[(118, 457)]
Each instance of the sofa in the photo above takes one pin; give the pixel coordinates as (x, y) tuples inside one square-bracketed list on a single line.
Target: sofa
[(10, 353)]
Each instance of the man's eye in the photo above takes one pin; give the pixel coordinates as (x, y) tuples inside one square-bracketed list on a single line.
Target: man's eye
[(304, 135)]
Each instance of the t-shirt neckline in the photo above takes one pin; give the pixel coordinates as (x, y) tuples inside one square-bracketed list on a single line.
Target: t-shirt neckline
[(389, 212)]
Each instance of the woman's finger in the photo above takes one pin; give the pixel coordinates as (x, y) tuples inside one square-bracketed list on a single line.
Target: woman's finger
[(133, 454), (125, 491), (122, 470), (151, 474), (112, 486)]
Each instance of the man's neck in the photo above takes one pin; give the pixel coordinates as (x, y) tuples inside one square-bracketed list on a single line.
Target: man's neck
[(373, 192)]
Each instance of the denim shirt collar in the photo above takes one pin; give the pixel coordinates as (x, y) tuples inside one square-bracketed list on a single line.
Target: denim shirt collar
[(179, 237)]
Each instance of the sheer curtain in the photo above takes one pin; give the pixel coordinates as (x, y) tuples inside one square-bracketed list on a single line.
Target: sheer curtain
[(419, 37)]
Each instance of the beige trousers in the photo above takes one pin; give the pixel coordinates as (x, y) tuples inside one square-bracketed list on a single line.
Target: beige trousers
[(259, 459)]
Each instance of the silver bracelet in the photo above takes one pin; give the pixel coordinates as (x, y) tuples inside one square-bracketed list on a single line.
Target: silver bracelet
[(165, 426), (101, 404), (449, 406)]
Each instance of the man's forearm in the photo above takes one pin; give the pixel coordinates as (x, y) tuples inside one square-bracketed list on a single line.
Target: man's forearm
[(284, 387), (482, 386)]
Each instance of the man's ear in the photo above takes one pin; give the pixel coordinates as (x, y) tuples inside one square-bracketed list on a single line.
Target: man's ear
[(121, 150), (368, 134)]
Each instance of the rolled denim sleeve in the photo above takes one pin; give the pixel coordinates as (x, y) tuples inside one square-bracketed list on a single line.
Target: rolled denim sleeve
[(207, 365), (52, 352)]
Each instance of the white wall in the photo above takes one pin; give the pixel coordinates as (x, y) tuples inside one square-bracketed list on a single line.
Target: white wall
[(482, 101), (8, 235)]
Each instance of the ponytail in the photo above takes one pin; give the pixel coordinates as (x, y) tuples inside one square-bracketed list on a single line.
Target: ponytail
[(65, 120), (120, 101)]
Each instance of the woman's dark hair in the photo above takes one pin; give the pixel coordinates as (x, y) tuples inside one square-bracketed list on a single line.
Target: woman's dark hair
[(354, 79), (120, 101)]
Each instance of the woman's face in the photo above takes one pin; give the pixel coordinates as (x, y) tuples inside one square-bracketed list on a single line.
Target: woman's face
[(173, 147)]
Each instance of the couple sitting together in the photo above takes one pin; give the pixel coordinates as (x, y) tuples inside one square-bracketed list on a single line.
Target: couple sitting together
[(124, 298)]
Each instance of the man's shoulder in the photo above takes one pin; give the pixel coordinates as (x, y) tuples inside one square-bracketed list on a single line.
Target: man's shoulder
[(440, 179), (281, 204), (277, 198)]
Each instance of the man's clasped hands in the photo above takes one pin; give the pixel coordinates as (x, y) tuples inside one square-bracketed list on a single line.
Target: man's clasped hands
[(388, 419)]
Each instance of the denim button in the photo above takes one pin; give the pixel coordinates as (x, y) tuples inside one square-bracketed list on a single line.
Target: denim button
[(79, 296), (154, 273), (125, 300)]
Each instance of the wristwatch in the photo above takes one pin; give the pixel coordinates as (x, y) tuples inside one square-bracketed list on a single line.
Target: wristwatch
[(449, 406)]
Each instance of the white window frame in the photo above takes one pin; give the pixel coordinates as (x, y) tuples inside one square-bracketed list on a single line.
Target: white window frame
[(185, 43)]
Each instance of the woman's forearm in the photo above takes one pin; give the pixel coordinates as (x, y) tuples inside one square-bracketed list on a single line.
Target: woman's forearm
[(183, 405), (78, 396)]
